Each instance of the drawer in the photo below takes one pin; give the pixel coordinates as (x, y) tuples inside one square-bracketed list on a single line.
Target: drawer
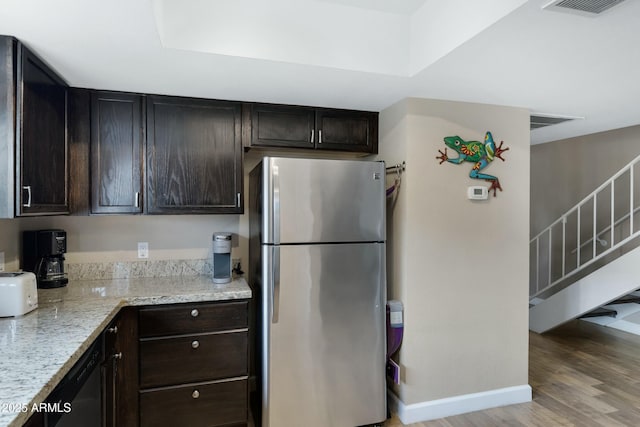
[(184, 319), (186, 359), (198, 405)]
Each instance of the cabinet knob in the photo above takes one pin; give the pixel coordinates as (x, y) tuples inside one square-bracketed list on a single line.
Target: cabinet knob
[(195, 344), (195, 394), (113, 330), (117, 356), (195, 312)]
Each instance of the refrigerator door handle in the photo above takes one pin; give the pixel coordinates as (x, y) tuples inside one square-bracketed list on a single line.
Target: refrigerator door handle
[(275, 283), (276, 205)]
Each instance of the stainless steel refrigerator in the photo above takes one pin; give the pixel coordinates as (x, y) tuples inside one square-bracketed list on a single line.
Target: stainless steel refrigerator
[(317, 265)]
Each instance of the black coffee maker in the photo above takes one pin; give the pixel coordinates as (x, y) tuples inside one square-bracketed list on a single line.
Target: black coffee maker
[(43, 254)]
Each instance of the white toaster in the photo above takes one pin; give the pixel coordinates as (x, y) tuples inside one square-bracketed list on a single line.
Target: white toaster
[(18, 293)]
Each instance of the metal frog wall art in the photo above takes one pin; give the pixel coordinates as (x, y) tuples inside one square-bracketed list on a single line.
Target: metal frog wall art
[(480, 153)]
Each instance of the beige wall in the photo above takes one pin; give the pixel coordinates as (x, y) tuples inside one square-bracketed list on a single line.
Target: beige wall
[(460, 267), (115, 237), (564, 172)]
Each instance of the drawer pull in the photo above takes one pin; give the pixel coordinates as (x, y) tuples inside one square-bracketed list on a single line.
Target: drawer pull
[(195, 312), (195, 344), (113, 330), (195, 394), (117, 356)]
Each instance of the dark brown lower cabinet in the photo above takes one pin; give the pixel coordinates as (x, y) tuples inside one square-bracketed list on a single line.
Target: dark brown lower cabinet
[(194, 365), (175, 365), (120, 371), (211, 356), (221, 403)]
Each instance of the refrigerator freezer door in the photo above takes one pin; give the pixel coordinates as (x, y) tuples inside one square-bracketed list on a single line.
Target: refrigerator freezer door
[(319, 200), (325, 349)]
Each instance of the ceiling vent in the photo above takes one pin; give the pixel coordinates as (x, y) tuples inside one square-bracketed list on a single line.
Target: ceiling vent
[(543, 120), (582, 7)]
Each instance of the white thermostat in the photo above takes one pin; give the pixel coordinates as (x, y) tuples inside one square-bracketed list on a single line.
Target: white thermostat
[(477, 192)]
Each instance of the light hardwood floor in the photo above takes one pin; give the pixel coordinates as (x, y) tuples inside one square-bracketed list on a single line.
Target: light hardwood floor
[(582, 375)]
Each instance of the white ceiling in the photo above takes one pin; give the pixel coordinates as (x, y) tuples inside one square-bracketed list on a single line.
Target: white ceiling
[(359, 54), (403, 7)]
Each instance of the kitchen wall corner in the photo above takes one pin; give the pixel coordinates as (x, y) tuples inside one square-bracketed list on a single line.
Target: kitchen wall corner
[(459, 266)]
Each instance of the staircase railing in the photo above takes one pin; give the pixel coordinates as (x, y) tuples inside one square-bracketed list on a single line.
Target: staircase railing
[(577, 239)]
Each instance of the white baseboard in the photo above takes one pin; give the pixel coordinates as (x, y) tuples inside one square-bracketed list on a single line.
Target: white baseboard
[(440, 408)]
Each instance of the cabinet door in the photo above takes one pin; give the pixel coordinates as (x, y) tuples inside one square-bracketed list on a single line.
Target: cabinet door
[(109, 371), (347, 130), (41, 157), (120, 371), (282, 126), (194, 156), (116, 153)]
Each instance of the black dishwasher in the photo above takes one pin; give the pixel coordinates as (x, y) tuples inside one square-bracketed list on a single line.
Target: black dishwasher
[(76, 401)]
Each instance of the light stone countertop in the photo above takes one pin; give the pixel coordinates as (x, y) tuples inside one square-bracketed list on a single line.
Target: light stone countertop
[(39, 348)]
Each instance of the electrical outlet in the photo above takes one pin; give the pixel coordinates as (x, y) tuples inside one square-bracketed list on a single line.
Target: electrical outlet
[(1, 261), (143, 249)]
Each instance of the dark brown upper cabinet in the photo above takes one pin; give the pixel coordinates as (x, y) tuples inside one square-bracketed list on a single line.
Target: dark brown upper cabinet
[(33, 134), (194, 156), (116, 153), (312, 128), (282, 126), (347, 130)]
